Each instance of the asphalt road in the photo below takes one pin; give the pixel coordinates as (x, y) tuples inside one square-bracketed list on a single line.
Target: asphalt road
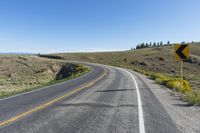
[(107, 100)]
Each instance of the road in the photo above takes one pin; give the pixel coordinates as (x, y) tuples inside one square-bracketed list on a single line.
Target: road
[(106, 100)]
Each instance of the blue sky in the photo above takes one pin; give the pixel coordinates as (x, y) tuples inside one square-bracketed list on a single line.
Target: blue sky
[(48, 26)]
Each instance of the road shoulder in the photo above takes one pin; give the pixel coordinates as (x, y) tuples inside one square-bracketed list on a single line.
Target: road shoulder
[(185, 117)]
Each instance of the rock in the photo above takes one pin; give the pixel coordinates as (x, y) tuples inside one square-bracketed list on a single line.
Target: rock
[(193, 60), (139, 63), (143, 63), (40, 71), (65, 71), (172, 71), (161, 59)]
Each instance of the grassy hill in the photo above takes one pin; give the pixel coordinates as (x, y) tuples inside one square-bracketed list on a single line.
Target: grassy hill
[(155, 59), (20, 73)]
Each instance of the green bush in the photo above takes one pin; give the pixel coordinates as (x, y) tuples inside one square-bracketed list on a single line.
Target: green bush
[(177, 84), (172, 83), (159, 80), (192, 97)]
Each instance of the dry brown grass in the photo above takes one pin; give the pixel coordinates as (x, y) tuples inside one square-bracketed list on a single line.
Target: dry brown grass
[(23, 73), (157, 60)]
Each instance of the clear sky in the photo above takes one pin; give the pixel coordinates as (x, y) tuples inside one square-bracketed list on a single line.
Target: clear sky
[(48, 26)]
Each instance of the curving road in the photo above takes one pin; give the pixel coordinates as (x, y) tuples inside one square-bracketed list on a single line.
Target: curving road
[(107, 100)]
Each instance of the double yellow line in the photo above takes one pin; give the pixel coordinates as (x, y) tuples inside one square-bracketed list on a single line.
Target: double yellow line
[(15, 118)]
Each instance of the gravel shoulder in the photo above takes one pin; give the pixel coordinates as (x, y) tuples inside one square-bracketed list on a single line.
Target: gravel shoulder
[(186, 118)]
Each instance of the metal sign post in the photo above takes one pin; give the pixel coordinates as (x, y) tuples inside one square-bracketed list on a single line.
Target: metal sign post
[(181, 74)]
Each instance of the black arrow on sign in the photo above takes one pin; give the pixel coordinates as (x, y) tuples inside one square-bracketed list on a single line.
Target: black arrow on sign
[(179, 51)]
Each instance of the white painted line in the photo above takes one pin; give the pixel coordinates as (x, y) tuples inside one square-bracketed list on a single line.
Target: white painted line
[(140, 110)]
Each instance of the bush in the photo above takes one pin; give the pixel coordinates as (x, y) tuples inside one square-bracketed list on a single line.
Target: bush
[(172, 83), (192, 97), (177, 84)]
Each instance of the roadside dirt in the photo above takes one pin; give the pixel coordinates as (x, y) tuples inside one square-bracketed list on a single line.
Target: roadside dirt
[(187, 118)]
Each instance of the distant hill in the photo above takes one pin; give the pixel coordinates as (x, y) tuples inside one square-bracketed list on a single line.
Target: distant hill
[(15, 53), (156, 59)]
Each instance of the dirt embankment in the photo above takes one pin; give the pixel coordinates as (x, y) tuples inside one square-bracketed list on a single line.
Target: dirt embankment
[(21, 73)]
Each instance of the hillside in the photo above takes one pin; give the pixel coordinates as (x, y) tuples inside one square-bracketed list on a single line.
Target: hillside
[(156, 59), (20, 73)]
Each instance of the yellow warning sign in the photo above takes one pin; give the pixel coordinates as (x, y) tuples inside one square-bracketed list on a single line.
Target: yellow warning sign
[(182, 52)]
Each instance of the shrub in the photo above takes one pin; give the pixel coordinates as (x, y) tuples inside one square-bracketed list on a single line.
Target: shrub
[(177, 84), (192, 97), (172, 83), (159, 80)]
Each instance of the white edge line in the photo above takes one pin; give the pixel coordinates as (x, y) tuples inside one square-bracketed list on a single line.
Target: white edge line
[(140, 110), (44, 87)]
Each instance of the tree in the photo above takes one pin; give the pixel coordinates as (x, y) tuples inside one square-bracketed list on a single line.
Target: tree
[(142, 45), (150, 44), (154, 44), (138, 46), (168, 42), (147, 45), (161, 43), (183, 42)]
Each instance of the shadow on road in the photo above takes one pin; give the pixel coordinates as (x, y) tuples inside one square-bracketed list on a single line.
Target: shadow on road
[(183, 105)]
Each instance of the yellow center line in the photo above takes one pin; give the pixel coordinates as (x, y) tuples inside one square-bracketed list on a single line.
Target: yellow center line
[(52, 101)]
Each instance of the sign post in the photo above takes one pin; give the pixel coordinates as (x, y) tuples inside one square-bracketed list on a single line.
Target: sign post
[(181, 53), (181, 69)]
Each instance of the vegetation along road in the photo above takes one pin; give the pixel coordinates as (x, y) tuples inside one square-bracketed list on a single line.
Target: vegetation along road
[(108, 99), (46, 94)]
